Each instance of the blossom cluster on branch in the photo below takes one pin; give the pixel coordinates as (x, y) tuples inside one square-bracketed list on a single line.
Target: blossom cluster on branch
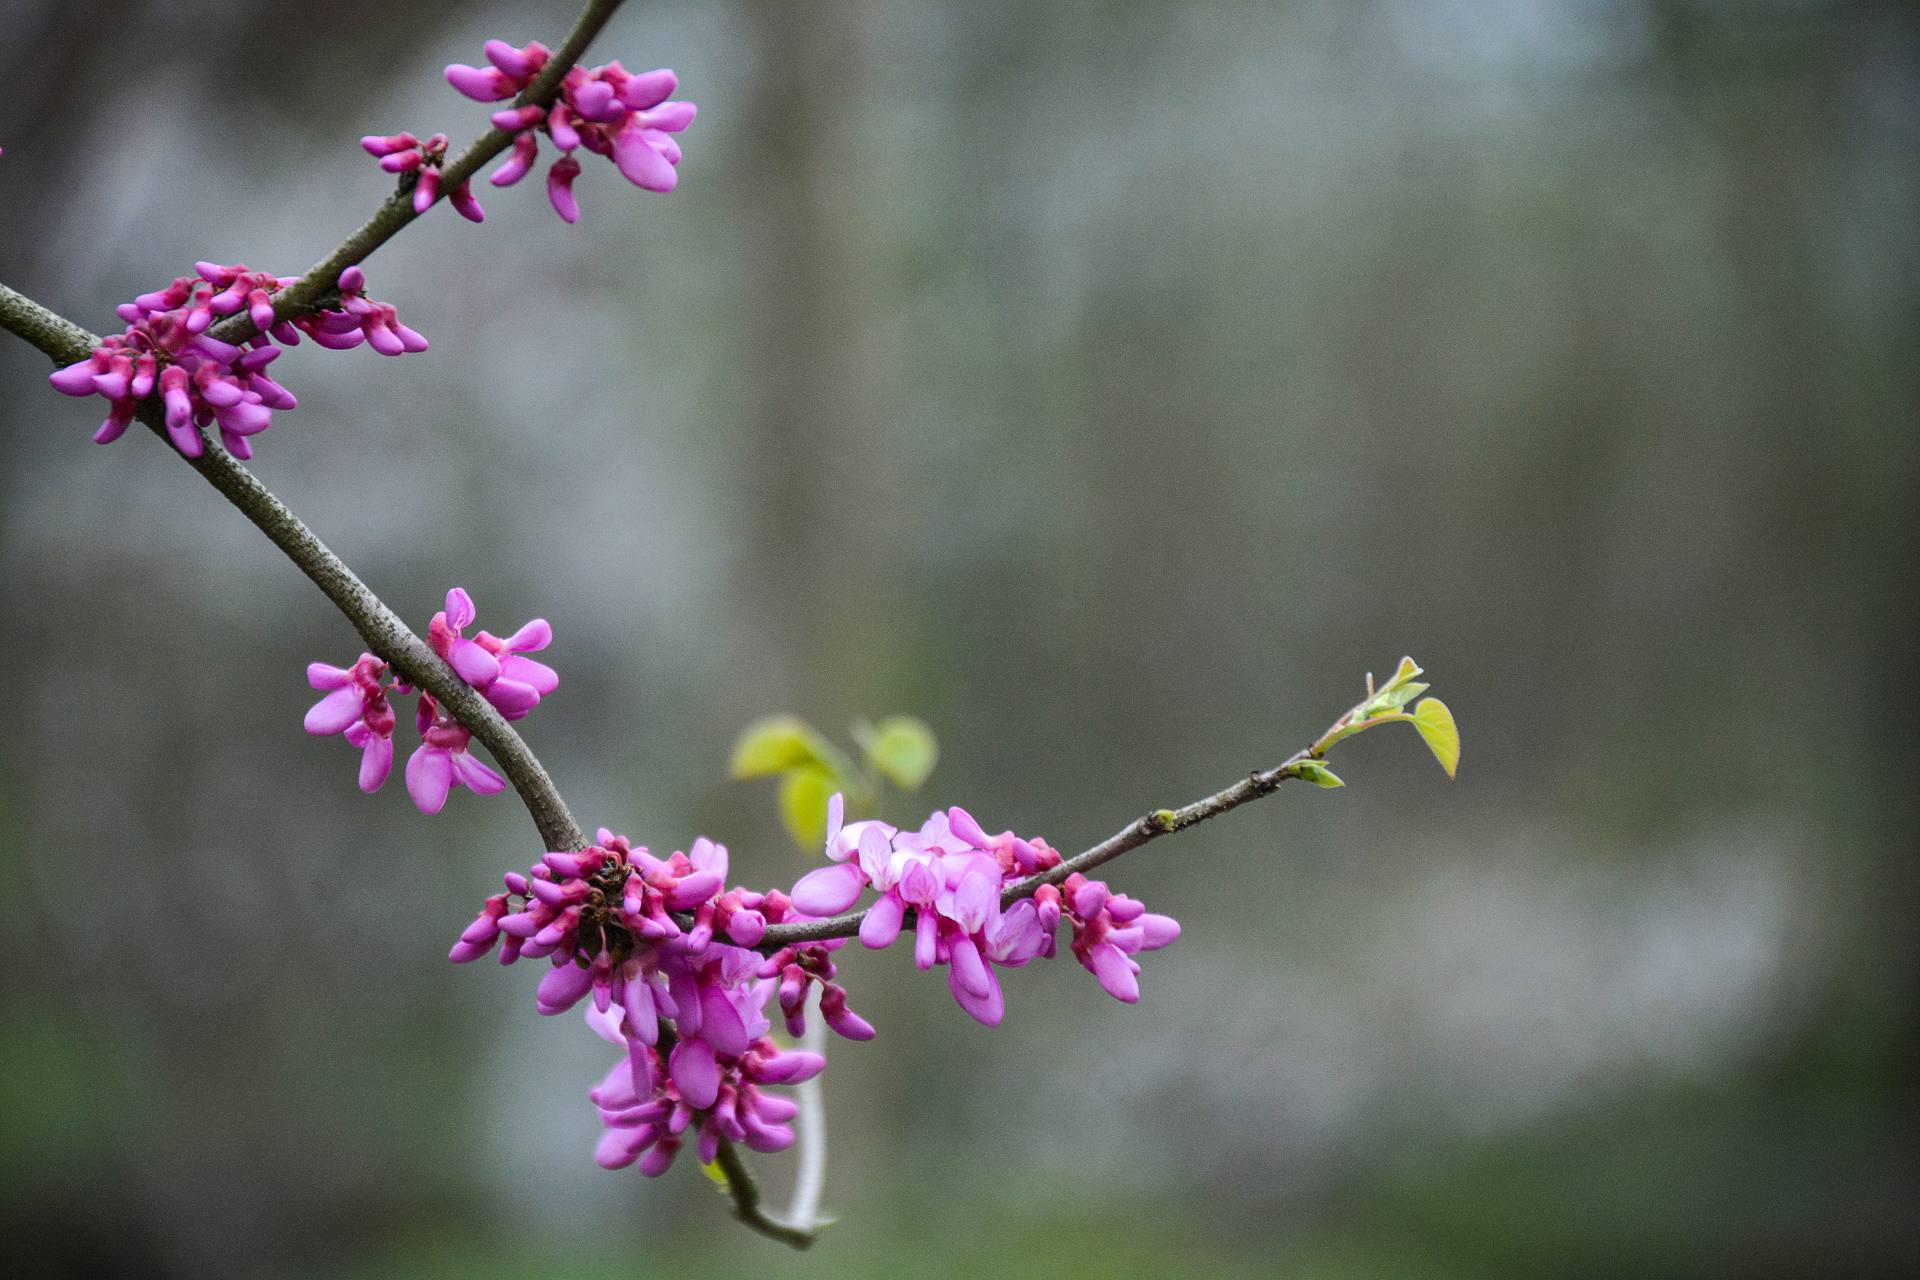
[(950, 875), (205, 382), (356, 704), (675, 966), (664, 952)]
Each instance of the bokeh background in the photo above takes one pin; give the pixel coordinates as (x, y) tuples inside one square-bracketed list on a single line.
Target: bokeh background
[(1112, 384)]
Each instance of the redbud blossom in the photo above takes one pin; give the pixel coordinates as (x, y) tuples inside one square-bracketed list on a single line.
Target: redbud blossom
[(606, 110)]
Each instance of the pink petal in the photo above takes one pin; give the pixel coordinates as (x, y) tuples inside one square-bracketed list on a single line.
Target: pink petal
[(476, 777), (376, 762), (429, 778), (883, 921), (333, 713), (695, 1073), (828, 890)]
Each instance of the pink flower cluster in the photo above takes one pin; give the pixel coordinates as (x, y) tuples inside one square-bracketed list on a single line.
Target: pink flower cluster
[(205, 382), (403, 153), (950, 875), (640, 938), (356, 704), (606, 110)]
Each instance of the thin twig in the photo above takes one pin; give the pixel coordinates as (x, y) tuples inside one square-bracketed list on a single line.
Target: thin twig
[(1149, 827), (385, 634), (398, 211), (746, 1202)]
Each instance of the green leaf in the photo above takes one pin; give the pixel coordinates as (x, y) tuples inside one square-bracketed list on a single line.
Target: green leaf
[(1435, 724), (803, 804), (716, 1175), (1407, 670), (1318, 774), (773, 745), (904, 749)]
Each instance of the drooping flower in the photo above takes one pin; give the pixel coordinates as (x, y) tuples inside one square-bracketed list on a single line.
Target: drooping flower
[(357, 707), (442, 762)]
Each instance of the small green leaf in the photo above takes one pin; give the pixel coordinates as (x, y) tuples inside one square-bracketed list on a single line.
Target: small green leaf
[(716, 1175), (1318, 774), (773, 745), (803, 804), (1408, 669), (1435, 724), (904, 749)]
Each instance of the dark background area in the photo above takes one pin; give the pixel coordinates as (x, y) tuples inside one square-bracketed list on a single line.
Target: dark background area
[(1112, 384)]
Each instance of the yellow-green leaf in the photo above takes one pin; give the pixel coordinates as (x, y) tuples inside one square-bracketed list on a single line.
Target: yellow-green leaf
[(1318, 774), (774, 744), (716, 1175), (1408, 670), (904, 749), (1435, 724), (803, 805)]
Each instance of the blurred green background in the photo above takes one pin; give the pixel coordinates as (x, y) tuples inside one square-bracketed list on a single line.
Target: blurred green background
[(1112, 384)]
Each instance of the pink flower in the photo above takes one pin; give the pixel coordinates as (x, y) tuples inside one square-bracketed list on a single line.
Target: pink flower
[(688, 1011), (357, 707), (418, 164), (497, 668), (949, 877), (202, 381), (441, 761), (608, 111)]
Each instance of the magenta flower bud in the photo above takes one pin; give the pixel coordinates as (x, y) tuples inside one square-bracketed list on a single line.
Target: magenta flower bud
[(517, 63), (648, 89), (402, 161), (747, 928), (1115, 972), (638, 161), (482, 84), (843, 1021), (791, 1067), (464, 952), (560, 188), (830, 890), (385, 145), (119, 418), (426, 190), (562, 988), (77, 378), (260, 309), (1157, 931), (461, 198), (594, 101), (525, 150), (670, 117), (961, 823), (659, 1157), (694, 889), (514, 119), (560, 127), (695, 1073), (1088, 899), (352, 280)]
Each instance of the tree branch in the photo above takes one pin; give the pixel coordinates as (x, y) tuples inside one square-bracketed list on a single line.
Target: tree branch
[(397, 212), (385, 634), (1142, 830)]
